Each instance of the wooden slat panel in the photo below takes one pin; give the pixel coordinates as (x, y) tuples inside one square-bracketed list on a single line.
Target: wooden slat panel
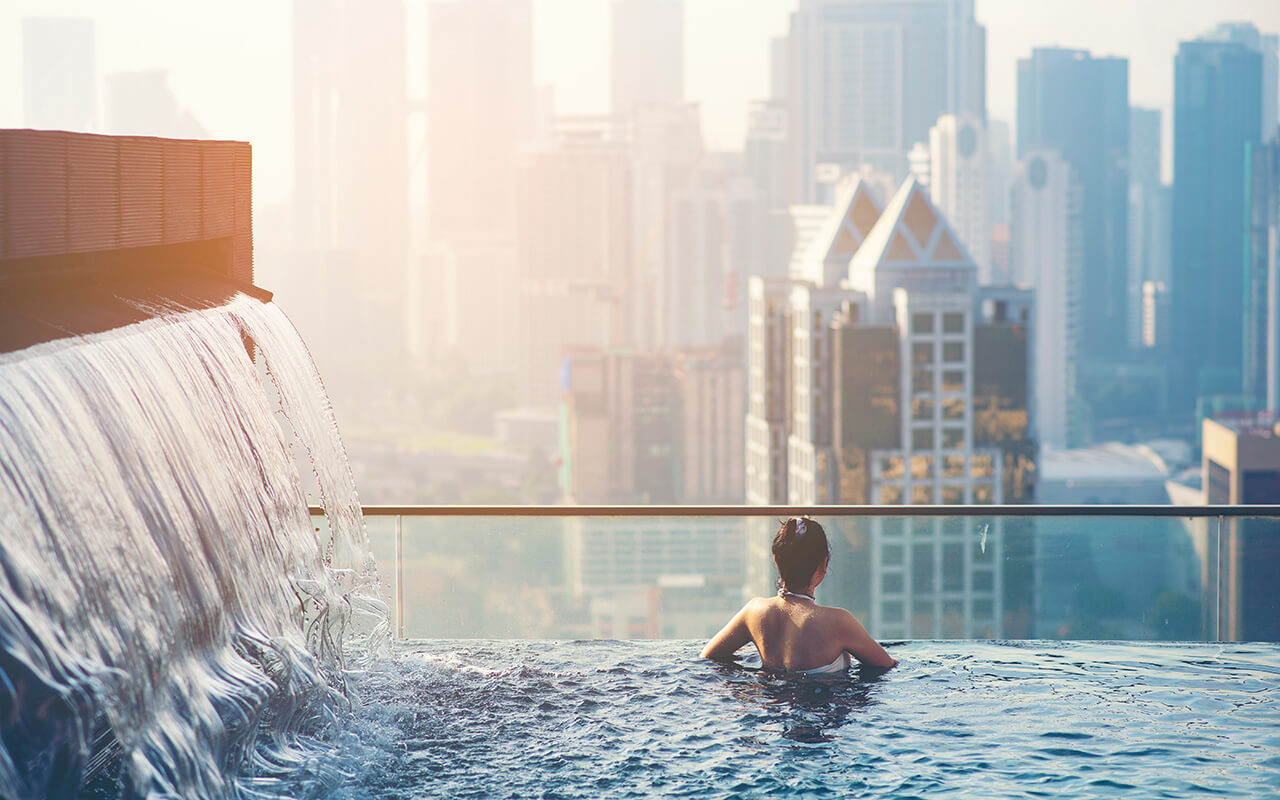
[(93, 188), (182, 192), (141, 191), (218, 199), (37, 193)]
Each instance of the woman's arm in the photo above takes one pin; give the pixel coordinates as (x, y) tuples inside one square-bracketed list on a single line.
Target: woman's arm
[(864, 648), (731, 637)]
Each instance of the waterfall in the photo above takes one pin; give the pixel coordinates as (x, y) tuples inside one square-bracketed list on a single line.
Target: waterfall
[(162, 585)]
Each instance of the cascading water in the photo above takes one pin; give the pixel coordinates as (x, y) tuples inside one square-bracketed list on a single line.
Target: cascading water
[(162, 586)]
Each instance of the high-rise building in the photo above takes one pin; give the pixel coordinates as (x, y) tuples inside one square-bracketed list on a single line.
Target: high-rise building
[(1262, 281), (868, 79), (1268, 48), (1150, 211), (142, 104), (575, 249), (666, 155), (960, 178), (647, 53), (812, 304), (1000, 153), (1078, 105), (59, 74), (1241, 466), (765, 153), (930, 406), (711, 387), (1217, 107), (351, 155), (480, 104), (1046, 256), (768, 389)]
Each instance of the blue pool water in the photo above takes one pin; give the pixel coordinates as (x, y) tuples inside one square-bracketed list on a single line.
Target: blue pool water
[(958, 719)]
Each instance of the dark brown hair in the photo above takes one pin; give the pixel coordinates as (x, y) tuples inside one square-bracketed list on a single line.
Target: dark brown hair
[(799, 554)]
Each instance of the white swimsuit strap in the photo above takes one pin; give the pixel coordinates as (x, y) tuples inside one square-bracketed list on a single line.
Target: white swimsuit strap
[(785, 593)]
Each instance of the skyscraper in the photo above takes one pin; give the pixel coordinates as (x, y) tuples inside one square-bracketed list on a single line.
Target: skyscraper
[(960, 175), (59, 74), (869, 78), (1046, 253), (1216, 111), (1078, 105), (351, 191), (1268, 47), (647, 53), (574, 223), (480, 106), (1262, 280), (1150, 211)]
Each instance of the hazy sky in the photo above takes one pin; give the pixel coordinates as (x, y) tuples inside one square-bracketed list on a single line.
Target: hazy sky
[(230, 60)]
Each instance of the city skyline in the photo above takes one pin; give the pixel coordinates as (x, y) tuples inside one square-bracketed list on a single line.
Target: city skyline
[(726, 59)]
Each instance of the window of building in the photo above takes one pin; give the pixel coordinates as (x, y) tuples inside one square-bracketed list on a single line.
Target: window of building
[(953, 322), (983, 580), (891, 467), (983, 610), (922, 380), (952, 495), (952, 438), (952, 352), (892, 526), (953, 408), (921, 495), (922, 352), (981, 465), (953, 380), (922, 527), (922, 439), (922, 323), (953, 526), (952, 619), (953, 567), (922, 467), (890, 495), (891, 610), (922, 569), (984, 494), (891, 583), (953, 466), (922, 408), (922, 619), (891, 554)]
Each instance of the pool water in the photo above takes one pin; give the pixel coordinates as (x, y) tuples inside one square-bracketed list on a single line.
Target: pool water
[(962, 719)]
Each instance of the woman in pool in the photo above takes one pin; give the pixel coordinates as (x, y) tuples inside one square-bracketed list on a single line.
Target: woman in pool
[(791, 631)]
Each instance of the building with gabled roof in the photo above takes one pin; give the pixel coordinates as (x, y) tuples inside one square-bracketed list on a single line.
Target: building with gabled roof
[(929, 406)]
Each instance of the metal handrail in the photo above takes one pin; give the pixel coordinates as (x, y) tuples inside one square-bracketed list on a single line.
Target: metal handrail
[(817, 511)]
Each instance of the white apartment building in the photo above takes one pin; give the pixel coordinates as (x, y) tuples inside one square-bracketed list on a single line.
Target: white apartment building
[(959, 183), (1047, 256)]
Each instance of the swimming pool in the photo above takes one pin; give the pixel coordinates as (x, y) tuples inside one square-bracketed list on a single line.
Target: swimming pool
[(965, 719)]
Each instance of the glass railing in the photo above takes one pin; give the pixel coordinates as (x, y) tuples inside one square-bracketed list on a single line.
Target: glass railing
[(992, 572)]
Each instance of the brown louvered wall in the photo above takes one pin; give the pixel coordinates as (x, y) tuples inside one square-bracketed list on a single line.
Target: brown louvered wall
[(65, 195)]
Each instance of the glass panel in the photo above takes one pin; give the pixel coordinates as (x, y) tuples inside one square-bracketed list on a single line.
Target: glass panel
[(922, 322), (922, 439), (890, 495), (984, 494), (891, 467), (953, 466), (922, 466), (922, 380), (952, 351), (922, 353), (953, 380), (952, 495), (922, 408), (921, 495), (981, 465), (1014, 577), (953, 322), (952, 438), (953, 408)]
